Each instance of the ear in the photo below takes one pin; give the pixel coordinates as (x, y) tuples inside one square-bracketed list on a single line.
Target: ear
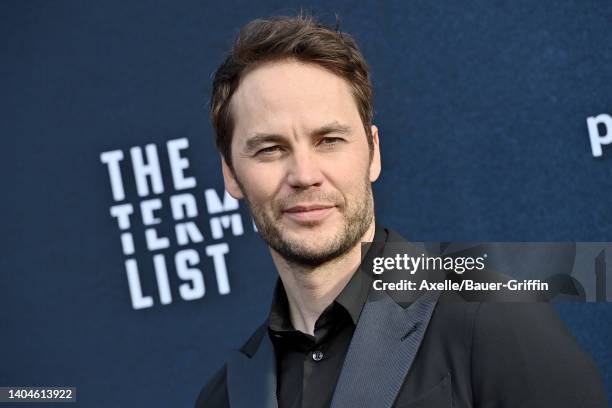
[(375, 162), (231, 184)]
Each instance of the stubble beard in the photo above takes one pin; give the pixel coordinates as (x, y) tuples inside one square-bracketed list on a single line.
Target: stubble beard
[(357, 217)]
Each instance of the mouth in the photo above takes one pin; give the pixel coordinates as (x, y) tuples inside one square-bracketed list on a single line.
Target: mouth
[(308, 213)]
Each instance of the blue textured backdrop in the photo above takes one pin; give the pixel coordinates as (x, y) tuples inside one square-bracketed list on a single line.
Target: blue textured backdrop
[(482, 109)]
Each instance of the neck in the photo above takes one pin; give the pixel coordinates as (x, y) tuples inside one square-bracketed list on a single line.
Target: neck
[(311, 289)]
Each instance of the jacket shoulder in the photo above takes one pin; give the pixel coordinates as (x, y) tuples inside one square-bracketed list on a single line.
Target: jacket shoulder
[(543, 365), (214, 394)]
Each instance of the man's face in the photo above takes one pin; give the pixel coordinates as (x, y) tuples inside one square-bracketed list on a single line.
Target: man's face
[(301, 160)]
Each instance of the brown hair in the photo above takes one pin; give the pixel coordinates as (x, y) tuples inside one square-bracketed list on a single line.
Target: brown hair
[(301, 38)]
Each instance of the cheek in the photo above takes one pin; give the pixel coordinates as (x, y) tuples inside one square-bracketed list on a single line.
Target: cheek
[(259, 183), (350, 183), (349, 171)]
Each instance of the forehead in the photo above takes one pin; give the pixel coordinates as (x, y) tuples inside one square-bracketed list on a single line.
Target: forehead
[(290, 94)]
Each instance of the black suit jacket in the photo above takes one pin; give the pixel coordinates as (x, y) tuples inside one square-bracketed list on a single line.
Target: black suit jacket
[(442, 352)]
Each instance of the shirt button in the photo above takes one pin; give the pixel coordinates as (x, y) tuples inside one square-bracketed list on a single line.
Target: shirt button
[(317, 355)]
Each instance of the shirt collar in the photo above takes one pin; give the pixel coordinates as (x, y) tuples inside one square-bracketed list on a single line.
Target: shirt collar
[(351, 298)]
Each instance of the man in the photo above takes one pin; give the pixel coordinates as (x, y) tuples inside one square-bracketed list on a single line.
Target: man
[(292, 110)]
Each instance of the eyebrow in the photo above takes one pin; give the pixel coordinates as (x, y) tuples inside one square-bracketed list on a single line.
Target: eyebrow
[(259, 138), (333, 127)]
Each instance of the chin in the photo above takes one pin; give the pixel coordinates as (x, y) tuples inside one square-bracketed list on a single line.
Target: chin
[(315, 243), (314, 233)]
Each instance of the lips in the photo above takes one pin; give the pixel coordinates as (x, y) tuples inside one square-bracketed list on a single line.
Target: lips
[(308, 212), (306, 208)]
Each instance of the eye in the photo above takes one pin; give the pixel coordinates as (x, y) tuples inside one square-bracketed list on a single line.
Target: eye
[(330, 141), (269, 150)]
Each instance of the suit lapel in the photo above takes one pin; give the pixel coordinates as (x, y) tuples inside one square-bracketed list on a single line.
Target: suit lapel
[(382, 350), (252, 381)]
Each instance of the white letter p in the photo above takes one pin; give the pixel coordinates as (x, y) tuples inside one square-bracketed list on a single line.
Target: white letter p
[(598, 140)]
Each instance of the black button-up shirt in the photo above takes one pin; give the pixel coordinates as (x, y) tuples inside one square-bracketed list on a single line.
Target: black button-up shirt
[(308, 366)]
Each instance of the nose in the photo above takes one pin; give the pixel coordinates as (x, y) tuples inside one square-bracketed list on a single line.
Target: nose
[(304, 170)]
